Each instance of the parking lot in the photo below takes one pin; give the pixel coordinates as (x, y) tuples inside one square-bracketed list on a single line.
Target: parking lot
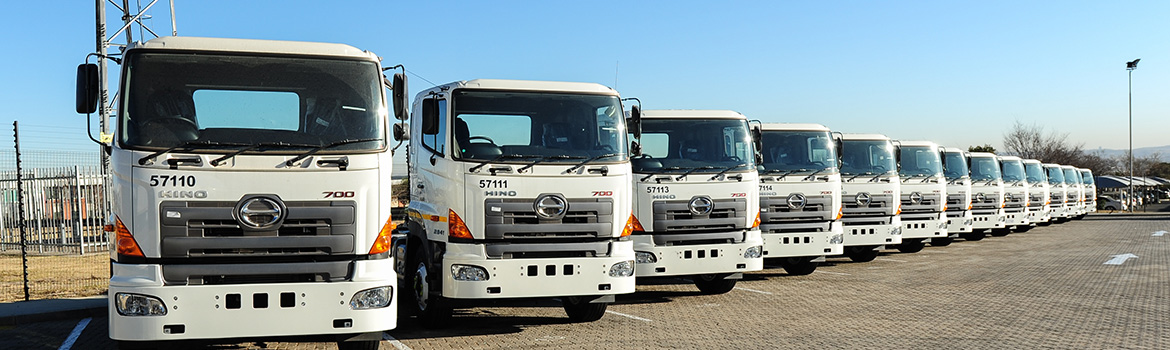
[(1050, 287)]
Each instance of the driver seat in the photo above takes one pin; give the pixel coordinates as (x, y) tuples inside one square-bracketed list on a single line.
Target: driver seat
[(170, 119)]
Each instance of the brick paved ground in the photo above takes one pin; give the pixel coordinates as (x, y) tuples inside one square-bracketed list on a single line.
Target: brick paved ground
[(1046, 288)]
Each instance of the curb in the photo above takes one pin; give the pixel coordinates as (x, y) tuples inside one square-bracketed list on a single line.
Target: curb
[(23, 312)]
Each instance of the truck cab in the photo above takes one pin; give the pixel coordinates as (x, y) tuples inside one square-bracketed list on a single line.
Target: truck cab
[(1076, 190), (696, 198), (518, 189), (800, 196), (1016, 193), (1039, 200), (923, 195), (1058, 193), (987, 199), (1090, 190), (959, 217), (870, 195)]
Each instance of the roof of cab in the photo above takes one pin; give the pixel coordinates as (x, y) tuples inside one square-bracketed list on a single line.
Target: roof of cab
[(980, 154), (189, 43), (793, 127), (864, 137), (1010, 158), (692, 114), (918, 143), (525, 85)]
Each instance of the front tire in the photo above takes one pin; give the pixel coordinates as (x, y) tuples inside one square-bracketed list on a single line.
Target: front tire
[(911, 245), (861, 253), (1023, 228), (358, 345), (580, 309), (714, 283), (972, 236), (1000, 232), (941, 241), (799, 266), (427, 306)]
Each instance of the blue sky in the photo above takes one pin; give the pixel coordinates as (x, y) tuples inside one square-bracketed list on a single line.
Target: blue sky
[(955, 72)]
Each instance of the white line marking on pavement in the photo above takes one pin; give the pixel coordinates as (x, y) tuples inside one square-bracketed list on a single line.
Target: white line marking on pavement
[(831, 272), (76, 333), (884, 259), (630, 316), (1120, 259), (1159, 233), (394, 342), (753, 290)]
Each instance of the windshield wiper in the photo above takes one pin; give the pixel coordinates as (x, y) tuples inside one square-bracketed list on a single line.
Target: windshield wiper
[(595, 158), (784, 173), (661, 171), (216, 161), (859, 174), (814, 174), (186, 146), (725, 170), (499, 157), (688, 172), (316, 149), (929, 177), (912, 176), (545, 159)]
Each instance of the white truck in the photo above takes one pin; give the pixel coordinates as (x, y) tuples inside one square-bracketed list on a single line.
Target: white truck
[(1090, 189), (518, 189), (1058, 193), (1016, 193), (1039, 209), (800, 196), (924, 194), (696, 198), (960, 221), (870, 195), (1076, 190), (250, 192), (987, 196)]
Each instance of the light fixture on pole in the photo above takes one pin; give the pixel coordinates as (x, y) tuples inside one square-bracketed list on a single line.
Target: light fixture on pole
[(1130, 66)]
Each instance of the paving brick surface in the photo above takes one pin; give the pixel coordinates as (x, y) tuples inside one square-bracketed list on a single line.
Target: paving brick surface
[(1047, 288)]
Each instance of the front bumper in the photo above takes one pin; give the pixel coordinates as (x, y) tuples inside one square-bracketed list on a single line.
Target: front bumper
[(698, 259), (541, 277)]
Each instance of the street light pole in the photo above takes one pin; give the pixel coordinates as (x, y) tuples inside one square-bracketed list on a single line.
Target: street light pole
[(1130, 66)]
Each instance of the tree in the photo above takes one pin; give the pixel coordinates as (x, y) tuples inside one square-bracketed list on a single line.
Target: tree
[(1032, 142), (985, 148), (401, 190)]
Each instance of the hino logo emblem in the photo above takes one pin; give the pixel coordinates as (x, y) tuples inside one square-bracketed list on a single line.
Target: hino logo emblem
[(550, 206), (701, 205), (863, 199), (796, 201), (916, 198), (259, 213), (979, 197)]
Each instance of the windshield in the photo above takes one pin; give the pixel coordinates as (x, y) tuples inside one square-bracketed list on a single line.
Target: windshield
[(920, 160), (209, 99), (956, 166), (1087, 176), (799, 151), (984, 169), (1055, 175), (531, 125), (1035, 172), (686, 144), (871, 157), (1013, 170), (1071, 176)]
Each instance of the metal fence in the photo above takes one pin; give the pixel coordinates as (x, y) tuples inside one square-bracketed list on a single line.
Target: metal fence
[(64, 211)]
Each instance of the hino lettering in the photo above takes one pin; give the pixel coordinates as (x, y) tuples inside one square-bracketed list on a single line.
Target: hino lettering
[(182, 194)]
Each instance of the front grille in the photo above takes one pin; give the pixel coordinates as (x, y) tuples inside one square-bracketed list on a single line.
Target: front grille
[(957, 202), (929, 203), (516, 219), (776, 210), (880, 204), (675, 215), (193, 229)]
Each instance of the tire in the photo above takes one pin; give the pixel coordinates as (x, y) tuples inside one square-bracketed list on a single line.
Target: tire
[(861, 253), (911, 245), (429, 308), (799, 266), (1045, 223), (1000, 232), (941, 241), (972, 236), (711, 284), (580, 309), (1023, 228), (358, 345)]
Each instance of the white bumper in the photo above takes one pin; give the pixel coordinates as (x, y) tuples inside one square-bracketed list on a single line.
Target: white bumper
[(525, 278), (700, 258), (812, 243)]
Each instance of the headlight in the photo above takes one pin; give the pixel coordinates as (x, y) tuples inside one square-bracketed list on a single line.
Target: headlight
[(645, 257), (753, 252), (139, 305), (622, 269), (372, 298), (897, 231), (468, 273), (837, 239)]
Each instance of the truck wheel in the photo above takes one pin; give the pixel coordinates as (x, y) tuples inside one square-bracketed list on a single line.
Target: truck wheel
[(1000, 232), (861, 253), (426, 305), (911, 245), (580, 309), (972, 236), (358, 345), (714, 283), (941, 241), (799, 266), (1023, 228)]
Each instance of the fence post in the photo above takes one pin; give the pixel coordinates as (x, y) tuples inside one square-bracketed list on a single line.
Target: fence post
[(77, 209), (20, 199)]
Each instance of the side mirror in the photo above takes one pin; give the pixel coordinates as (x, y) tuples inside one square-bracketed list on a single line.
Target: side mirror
[(87, 88), (634, 123), (401, 133), (942, 159), (401, 101), (430, 117), (757, 138), (635, 149)]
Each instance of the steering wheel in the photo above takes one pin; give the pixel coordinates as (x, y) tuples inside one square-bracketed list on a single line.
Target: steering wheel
[(734, 158), (175, 120), (926, 171), (485, 138), (157, 129), (820, 164)]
